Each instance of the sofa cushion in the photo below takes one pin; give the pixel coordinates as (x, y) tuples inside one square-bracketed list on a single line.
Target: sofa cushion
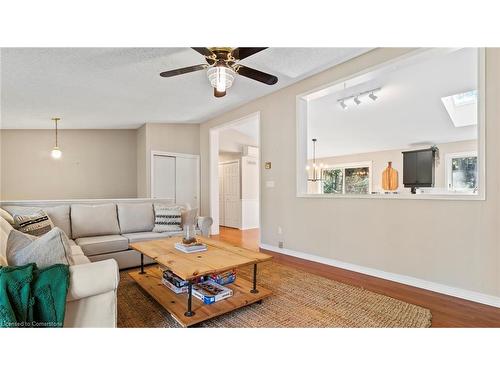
[(80, 259), (60, 217), (135, 217), (51, 248), (102, 244), (94, 220), (147, 236), (76, 250)]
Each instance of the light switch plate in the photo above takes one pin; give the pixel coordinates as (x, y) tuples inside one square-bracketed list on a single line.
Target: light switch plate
[(267, 165)]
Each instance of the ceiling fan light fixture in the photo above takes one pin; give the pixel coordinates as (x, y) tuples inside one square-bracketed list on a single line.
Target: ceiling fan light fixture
[(372, 96), (356, 100), (221, 77), (343, 105)]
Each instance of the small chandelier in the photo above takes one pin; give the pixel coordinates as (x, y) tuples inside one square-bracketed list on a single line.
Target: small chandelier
[(316, 169), (56, 152)]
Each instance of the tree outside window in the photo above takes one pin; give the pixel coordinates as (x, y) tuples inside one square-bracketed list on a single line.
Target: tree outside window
[(346, 180)]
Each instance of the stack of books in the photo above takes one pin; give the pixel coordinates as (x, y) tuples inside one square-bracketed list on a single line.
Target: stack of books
[(191, 248), (209, 292)]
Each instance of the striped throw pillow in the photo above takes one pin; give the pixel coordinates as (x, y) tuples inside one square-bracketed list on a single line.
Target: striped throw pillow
[(167, 218), (36, 224)]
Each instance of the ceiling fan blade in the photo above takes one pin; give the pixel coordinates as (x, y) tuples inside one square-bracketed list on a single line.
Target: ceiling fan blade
[(203, 51), (241, 53), (189, 69), (219, 94), (257, 75)]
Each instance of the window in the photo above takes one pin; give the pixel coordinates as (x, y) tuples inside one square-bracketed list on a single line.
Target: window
[(333, 181), (347, 179), (462, 171)]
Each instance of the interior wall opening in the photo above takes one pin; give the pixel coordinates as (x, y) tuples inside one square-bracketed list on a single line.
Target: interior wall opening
[(410, 127), (235, 175)]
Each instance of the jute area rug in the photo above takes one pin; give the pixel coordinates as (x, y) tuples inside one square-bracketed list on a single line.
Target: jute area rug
[(300, 299)]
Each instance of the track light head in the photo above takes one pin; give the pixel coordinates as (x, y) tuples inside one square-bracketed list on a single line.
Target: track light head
[(356, 100), (372, 96), (343, 105)]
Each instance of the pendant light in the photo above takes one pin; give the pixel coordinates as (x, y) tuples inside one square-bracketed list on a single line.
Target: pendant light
[(316, 173), (56, 152)]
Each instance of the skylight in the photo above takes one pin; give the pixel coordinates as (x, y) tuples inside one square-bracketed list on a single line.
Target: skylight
[(464, 98), (462, 108)]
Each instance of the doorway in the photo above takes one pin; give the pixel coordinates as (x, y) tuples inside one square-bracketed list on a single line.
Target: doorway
[(235, 174)]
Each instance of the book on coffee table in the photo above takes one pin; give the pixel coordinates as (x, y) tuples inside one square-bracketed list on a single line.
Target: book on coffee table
[(190, 248), (210, 292)]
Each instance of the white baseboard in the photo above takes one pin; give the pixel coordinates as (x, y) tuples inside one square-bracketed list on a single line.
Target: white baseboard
[(408, 280)]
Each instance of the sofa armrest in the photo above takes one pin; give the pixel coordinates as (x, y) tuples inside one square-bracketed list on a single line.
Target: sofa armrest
[(204, 224), (92, 279)]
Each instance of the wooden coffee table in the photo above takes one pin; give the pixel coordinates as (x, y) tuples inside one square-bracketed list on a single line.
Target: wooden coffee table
[(220, 256)]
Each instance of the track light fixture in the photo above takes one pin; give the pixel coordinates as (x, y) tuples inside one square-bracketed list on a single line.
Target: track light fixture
[(356, 98), (372, 96)]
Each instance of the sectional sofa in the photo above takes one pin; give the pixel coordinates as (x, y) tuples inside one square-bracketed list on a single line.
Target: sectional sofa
[(105, 228), (100, 233)]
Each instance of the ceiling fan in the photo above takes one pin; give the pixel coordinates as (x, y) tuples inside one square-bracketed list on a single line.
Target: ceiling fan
[(223, 63)]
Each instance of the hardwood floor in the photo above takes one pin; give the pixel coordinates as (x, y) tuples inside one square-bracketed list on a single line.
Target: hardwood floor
[(446, 311)]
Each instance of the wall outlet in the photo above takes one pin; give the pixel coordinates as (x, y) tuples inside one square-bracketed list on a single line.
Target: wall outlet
[(280, 244)]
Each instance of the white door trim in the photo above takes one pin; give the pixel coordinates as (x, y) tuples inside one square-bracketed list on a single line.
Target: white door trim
[(174, 154), (214, 167)]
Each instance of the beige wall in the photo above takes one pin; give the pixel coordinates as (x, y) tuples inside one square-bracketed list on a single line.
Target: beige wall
[(231, 140), (177, 138), (94, 164), (141, 163), (379, 162), (451, 242)]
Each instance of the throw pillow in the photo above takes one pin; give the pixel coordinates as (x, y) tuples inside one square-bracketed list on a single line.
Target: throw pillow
[(167, 218), (35, 224), (51, 248)]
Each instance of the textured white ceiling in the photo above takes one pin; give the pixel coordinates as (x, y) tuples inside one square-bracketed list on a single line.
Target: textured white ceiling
[(408, 112), (118, 88)]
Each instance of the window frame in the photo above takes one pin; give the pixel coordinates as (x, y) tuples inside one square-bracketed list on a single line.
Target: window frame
[(343, 167), (448, 160)]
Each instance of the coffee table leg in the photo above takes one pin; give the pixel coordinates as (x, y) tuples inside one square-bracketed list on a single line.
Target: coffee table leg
[(142, 264), (189, 312), (254, 290)]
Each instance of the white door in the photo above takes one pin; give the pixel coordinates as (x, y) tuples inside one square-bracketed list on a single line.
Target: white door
[(221, 195), (231, 192), (187, 179), (164, 177)]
